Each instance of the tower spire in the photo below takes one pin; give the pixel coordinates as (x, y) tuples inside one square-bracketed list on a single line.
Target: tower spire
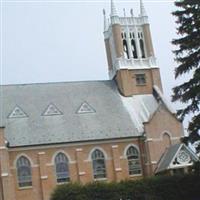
[(113, 9), (105, 20), (113, 15), (142, 9), (131, 11)]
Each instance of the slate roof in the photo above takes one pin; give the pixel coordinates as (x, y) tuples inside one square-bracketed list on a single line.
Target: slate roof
[(167, 157), (110, 115)]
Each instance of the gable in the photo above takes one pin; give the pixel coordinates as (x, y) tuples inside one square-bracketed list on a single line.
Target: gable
[(162, 108), (183, 157), (163, 121), (176, 156)]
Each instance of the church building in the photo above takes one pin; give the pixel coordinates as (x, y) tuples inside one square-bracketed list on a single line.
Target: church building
[(121, 128)]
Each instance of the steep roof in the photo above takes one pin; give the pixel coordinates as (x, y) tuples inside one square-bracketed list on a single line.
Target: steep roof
[(35, 114)]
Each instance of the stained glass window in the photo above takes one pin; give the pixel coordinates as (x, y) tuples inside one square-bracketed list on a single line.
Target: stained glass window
[(24, 172), (62, 168), (98, 162), (133, 161)]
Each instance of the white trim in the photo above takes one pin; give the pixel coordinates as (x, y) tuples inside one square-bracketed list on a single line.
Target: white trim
[(131, 145), (118, 169), (4, 174), (190, 150), (3, 147), (25, 155), (149, 140), (100, 179), (179, 166), (41, 153), (44, 177), (135, 175), (81, 173), (184, 164), (56, 153), (160, 139), (25, 188), (175, 138), (87, 160), (79, 150), (99, 148)]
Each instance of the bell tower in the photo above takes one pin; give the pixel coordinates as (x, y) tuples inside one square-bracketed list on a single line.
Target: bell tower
[(130, 53)]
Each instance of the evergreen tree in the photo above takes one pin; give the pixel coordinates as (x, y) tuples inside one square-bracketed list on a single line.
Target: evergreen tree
[(187, 55)]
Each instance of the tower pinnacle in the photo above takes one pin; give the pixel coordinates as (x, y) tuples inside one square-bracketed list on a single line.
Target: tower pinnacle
[(105, 20), (113, 9), (131, 11), (142, 9), (113, 15)]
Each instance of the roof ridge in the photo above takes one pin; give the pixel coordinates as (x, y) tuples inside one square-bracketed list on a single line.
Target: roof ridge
[(46, 83)]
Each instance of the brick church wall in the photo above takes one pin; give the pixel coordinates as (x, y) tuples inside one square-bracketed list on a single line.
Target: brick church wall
[(80, 165), (156, 131)]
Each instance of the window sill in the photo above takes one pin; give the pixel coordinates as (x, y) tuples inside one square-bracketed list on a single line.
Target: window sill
[(25, 188), (63, 183), (135, 175), (100, 179)]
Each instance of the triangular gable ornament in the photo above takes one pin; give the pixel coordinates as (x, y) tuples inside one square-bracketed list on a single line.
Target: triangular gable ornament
[(17, 113), (85, 108), (51, 110), (183, 156)]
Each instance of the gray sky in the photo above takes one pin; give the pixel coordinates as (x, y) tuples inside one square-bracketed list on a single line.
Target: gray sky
[(55, 41)]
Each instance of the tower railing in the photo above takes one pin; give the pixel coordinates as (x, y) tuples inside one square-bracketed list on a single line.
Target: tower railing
[(141, 63)]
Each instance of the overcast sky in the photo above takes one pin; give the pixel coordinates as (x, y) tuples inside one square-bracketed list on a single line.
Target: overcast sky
[(53, 41)]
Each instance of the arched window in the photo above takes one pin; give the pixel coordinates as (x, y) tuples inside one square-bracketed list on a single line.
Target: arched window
[(98, 163), (125, 46), (166, 140), (133, 47), (24, 172), (142, 48), (62, 168), (133, 157)]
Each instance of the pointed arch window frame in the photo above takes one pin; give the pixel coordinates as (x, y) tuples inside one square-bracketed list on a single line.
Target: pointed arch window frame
[(134, 161), (24, 172), (99, 164), (125, 49), (142, 48), (62, 168), (134, 48)]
